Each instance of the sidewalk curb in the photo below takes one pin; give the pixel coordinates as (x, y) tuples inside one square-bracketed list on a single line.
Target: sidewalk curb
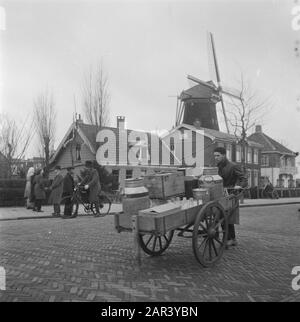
[(113, 213), (270, 204), (49, 217)]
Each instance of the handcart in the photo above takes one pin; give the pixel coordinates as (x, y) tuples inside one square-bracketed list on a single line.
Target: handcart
[(205, 222)]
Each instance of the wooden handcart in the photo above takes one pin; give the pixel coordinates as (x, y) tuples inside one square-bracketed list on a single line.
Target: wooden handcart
[(206, 223)]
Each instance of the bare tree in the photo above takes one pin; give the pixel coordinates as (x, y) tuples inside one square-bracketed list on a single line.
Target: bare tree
[(14, 139), (246, 113), (45, 123), (96, 97)]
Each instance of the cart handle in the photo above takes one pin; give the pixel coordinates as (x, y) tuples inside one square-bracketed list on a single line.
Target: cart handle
[(233, 192)]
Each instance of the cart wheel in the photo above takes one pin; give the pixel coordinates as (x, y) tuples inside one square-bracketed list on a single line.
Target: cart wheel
[(155, 245), (210, 234)]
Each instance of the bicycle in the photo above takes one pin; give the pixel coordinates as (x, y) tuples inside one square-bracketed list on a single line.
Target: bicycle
[(81, 196)]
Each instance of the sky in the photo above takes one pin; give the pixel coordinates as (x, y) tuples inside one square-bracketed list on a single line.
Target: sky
[(147, 49)]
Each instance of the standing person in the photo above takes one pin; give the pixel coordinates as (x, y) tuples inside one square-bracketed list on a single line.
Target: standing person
[(68, 188), (39, 190), (233, 177), (28, 188), (91, 181), (56, 191)]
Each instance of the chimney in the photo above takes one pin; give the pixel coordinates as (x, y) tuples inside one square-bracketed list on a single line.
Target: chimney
[(258, 129), (121, 122), (79, 120)]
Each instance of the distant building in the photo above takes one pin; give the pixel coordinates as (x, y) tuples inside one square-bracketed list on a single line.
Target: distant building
[(19, 167), (4, 167), (278, 163)]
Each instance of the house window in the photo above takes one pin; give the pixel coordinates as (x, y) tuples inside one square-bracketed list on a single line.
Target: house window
[(78, 150), (228, 151), (129, 174), (238, 153), (265, 160), (255, 178), (249, 177), (280, 183), (249, 155), (255, 156), (115, 174)]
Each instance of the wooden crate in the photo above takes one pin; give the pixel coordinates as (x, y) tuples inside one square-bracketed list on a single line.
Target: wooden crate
[(160, 221), (166, 185)]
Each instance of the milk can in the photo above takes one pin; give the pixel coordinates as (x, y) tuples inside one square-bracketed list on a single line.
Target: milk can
[(213, 182), (201, 194), (136, 196)]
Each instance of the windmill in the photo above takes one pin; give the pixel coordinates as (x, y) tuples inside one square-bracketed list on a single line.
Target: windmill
[(197, 105)]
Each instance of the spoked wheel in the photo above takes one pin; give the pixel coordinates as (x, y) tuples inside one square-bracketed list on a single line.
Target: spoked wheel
[(210, 234), (103, 199), (73, 204), (155, 245)]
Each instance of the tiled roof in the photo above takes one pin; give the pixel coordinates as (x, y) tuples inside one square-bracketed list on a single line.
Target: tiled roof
[(90, 132), (269, 144), (219, 135)]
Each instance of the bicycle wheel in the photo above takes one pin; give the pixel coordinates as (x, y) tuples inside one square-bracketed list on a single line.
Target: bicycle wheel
[(105, 203), (71, 205)]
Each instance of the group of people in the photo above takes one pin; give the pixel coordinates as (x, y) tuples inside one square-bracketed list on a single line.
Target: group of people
[(62, 187)]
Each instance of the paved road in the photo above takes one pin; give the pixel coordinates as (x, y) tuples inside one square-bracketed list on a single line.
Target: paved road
[(84, 259)]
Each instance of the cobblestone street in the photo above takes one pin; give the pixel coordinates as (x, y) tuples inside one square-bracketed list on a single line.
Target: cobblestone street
[(85, 259)]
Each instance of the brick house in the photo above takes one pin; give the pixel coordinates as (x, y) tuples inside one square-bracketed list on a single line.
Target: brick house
[(80, 144), (278, 163), (214, 138), (127, 153)]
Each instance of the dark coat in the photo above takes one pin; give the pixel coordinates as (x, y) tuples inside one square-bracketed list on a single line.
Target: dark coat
[(92, 179), (56, 189), (232, 175), (39, 185), (68, 185)]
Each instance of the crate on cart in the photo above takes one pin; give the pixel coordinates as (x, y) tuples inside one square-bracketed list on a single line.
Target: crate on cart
[(165, 185)]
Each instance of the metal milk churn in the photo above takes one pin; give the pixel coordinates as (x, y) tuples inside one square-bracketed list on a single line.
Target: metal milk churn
[(213, 182), (136, 196)]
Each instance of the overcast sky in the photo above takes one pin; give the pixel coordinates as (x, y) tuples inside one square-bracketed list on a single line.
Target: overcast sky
[(147, 49)]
